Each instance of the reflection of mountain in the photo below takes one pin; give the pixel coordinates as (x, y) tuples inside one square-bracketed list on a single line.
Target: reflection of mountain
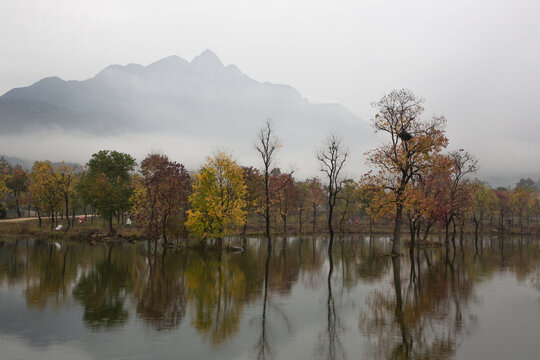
[(172, 95)]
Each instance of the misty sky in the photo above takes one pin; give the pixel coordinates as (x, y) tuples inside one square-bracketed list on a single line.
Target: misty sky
[(476, 62)]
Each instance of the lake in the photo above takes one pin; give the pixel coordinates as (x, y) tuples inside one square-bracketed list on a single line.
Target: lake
[(136, 301)]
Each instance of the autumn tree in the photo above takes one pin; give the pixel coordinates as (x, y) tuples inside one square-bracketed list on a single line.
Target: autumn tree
[(4, 190), (457, 196), (254, 192), (17, 182), (425, 203), (161, 195), (218, 199), (504, 207), (285, 195), (408, 153), (332, 157), (527, 184), (315, 199), (303, 198), (109, 183), (44, 190), (64, 176), (347, 202), (370, 198), (522, 202), (482, 200)]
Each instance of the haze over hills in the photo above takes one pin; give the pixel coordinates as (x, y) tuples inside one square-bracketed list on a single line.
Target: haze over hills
[(201, 103)]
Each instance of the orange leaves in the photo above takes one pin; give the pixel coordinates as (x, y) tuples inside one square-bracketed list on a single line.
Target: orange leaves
[(161, 195)]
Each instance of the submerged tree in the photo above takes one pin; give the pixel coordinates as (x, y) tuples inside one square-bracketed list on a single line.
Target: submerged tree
[(456, 196), (412, 144), (267, 144), (332, 158), (285, 195), (218, 200), (483, 199)]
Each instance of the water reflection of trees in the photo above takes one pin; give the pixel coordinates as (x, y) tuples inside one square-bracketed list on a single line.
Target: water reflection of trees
[(160, 290), (420, 315), (103, 291)]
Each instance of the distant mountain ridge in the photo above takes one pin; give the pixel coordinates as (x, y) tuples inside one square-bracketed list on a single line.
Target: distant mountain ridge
[(171, 95)]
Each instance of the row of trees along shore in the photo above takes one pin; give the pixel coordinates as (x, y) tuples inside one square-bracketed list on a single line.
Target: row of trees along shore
[(412, 182)]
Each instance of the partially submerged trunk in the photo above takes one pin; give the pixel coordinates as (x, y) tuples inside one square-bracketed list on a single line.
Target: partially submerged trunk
[(396, 245)]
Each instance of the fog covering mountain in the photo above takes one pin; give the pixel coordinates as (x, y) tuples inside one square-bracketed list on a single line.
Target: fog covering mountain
[(184, 109)]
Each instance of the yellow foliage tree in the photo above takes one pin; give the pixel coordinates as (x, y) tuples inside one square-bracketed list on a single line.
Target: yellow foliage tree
[(44, 190), (218, 198)]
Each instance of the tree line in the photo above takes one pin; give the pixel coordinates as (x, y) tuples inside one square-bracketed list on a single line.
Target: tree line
[(413, 182)]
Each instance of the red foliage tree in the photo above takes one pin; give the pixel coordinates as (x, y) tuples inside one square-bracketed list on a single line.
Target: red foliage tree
[(161, 197)]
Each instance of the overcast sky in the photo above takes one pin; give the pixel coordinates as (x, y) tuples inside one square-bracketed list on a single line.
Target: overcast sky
[(476, 62)]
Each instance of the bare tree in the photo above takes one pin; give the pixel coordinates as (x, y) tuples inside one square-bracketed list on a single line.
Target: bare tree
[(267, 144), (332, 157)]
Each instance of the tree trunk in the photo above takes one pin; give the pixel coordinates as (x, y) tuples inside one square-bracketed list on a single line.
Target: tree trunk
[(396, 245), (17, 205), (314, 217), (330, 215), (67, 214), (412, 229), (300, 221), (73, 215), (110, 225), (39, 218), (447, 231)]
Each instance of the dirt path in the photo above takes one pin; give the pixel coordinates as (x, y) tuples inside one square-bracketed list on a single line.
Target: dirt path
[(29, 219), (18, 220)]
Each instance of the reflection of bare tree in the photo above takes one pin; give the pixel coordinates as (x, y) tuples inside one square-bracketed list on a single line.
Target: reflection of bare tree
[(335, 349), (262, 344)]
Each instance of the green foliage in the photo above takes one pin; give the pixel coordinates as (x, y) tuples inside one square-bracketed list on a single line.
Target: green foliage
[(107, 186)]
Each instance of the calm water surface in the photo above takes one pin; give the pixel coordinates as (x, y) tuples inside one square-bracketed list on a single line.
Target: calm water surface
[(135, 302)]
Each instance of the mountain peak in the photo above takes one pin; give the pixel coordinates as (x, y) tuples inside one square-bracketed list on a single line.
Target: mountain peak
[(170, 63), (207, 58)]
